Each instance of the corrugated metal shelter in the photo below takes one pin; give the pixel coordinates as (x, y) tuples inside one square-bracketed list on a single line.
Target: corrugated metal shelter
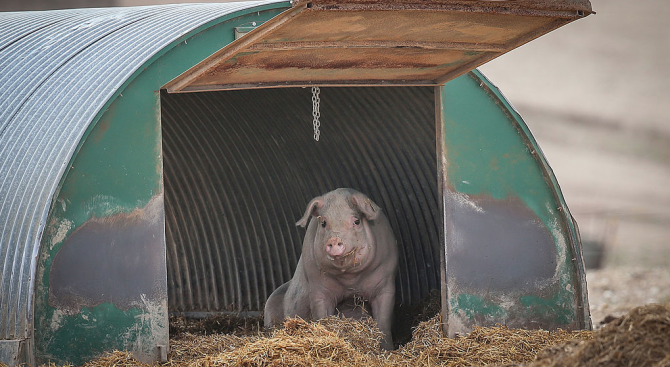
[(122, 200)]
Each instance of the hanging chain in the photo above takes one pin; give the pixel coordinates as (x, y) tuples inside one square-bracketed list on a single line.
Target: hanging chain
[(316, 101)]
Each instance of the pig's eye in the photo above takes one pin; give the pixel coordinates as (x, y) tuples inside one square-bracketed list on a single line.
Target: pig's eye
[(323, 223), (357, 222)]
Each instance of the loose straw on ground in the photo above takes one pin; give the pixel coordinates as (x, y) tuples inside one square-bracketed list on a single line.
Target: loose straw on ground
[(642, 337)]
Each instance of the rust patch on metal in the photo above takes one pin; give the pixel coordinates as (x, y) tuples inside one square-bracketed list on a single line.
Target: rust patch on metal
[(118, 259)]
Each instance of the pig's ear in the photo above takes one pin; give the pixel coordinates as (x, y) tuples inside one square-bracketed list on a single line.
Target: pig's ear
[(314, 205), (366, 206)]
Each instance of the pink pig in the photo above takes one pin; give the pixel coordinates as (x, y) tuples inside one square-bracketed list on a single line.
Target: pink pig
[(349, 251)]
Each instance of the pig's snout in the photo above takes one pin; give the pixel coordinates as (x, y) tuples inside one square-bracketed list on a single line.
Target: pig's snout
[(334, 247)]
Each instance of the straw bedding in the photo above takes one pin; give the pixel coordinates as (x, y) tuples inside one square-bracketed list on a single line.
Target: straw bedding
[(640, 338)]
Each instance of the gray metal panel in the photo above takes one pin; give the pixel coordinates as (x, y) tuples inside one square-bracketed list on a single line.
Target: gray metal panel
[(38, 55), (75, 67), (241, 166), (10, 351), (14, 26)]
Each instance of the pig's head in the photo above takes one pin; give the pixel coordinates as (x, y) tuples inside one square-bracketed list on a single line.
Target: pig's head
[(343, 237)]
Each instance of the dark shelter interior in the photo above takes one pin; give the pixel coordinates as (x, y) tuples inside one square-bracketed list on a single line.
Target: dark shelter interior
[(241, 166)]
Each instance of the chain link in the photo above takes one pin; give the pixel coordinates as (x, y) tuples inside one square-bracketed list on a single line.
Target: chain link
[(316, 113)]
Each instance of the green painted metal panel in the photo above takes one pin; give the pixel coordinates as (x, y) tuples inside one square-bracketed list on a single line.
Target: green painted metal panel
[(108, 215), (512, 253)]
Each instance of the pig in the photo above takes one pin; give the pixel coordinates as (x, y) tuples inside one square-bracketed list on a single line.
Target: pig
[(349, 250)]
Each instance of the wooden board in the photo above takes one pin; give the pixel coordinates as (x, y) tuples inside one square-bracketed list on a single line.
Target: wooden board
[(376, 43)]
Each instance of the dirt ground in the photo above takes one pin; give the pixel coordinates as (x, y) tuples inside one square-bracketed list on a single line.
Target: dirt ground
[(615, 291)]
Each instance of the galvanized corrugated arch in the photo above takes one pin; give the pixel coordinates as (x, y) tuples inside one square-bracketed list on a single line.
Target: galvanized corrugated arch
[(48, 104), (16, 25), (64, 75)]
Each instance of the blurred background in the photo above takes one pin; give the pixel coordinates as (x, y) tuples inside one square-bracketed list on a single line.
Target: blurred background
[(596, 95)]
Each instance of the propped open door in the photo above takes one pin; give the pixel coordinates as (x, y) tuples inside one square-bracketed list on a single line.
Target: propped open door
[(403, 42)]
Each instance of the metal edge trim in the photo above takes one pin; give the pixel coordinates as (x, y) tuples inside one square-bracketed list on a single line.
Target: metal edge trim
[(584, 319)]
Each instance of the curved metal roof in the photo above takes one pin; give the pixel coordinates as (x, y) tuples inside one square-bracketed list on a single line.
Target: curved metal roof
[(58, 70)]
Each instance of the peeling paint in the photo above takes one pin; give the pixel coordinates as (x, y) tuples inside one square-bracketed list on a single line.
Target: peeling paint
[(510, 262), (56, 320), (64, 227), (103, 206), (475, 306), (111, 259), (550, 307), (106, 328), (63, 203), (107, 289), (561, 253), (464, 200), (495, 244), (155, 324)]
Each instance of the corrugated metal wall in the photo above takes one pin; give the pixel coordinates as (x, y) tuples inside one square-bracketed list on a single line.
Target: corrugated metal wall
[(241, 166), (57, 71)]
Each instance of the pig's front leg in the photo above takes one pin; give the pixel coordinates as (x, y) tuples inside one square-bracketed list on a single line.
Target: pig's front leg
[(321, 305), (382, 312)]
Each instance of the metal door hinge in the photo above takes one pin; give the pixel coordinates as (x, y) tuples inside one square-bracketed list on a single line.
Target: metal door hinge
[(162, 353)]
